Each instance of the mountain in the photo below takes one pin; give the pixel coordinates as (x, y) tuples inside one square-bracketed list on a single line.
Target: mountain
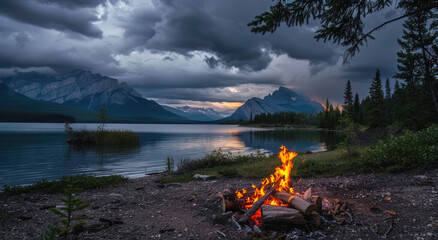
[(19, 108), (85, 90), (196, 114), (15, 107), (287, 100), (281, 100)]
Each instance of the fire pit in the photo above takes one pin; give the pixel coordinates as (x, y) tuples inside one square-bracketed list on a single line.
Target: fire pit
[(275, 204)]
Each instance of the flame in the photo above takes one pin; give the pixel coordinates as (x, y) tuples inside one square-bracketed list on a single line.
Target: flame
[(281, 174)]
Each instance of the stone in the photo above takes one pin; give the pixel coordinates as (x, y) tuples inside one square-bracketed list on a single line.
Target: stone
[(204, 177)]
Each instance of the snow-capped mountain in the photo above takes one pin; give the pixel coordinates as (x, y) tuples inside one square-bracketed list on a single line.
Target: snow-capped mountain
[(196, 114), (281, 100), (83, 89)]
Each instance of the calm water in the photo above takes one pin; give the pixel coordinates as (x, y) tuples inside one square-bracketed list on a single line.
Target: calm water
[(32, 151)]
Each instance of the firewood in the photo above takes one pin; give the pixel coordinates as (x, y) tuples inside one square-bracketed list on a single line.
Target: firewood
[(277, 216), (344, 207), (305, 207), (307, 194), (259, 203), (337, 207), (317, 200), (226, 204), (326, 205)]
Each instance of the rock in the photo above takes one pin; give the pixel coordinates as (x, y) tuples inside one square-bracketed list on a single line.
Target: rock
[(204, 177), (420, 177), (115, 195)]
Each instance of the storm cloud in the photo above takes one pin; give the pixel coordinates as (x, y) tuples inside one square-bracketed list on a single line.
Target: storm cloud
[(192, 51), (51, 16)]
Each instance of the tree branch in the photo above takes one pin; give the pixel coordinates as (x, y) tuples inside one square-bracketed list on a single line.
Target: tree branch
[(350, 51)]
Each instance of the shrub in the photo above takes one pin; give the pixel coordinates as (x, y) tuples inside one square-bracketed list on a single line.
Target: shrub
[(83, 182), (408, 151), (217, 158)]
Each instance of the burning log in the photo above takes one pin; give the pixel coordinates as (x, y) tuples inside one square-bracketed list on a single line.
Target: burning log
[(275, 216), (305, 207), (259, 203)]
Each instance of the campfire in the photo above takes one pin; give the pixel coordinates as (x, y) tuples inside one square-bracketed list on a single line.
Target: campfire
[(275, 204)]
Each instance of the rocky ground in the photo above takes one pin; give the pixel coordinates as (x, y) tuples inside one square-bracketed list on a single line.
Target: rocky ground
[(146, 209)]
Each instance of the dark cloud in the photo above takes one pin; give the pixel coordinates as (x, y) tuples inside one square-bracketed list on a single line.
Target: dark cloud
[(187, 49), (50, 16), (220, 28), (167, 58), (139, 31), (380, 53), (21, 39), (158, 80), (212, 62), (80, 3)]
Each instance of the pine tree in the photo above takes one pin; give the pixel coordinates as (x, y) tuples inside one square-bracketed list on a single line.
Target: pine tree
[(356, 108), (396, 86), (387, 89), (388, 102), (376, 112), (417, 61), (348, 99)]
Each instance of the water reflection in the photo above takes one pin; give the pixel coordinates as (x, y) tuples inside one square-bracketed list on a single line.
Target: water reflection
[(29, 152), (297, 139)]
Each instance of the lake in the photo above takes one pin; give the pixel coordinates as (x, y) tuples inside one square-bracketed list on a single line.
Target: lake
[(32, 151)]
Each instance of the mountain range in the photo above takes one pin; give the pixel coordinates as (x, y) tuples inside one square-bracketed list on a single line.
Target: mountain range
[(17, 107), (80, 94), (85, 90), (196, 114), (281, 100)]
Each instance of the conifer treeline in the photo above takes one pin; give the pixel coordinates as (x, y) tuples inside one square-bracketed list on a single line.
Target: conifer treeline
[(414, 102)]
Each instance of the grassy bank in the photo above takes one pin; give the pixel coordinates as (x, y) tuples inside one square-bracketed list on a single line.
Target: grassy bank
[(84, 182), (120, 138), (263, 125), (322, 164), (406, 152)]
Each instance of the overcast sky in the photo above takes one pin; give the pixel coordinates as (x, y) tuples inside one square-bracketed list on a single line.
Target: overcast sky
[(194, 52)]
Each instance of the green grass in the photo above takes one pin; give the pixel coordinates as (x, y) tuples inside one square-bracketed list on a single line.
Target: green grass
[(413, 150), (84, 182), (119, 138), (256, 166), (279, 125)]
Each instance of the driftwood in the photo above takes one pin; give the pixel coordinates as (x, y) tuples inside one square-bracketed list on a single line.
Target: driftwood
[(276, 216), (305, 207), (259, 203)]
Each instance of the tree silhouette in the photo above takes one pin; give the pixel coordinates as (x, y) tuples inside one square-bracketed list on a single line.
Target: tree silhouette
[(341, 21)]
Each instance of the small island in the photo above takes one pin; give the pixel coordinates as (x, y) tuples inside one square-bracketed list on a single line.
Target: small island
[(101, 137)]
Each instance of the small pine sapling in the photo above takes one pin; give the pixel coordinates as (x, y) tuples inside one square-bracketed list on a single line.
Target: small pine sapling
[(51, 233), (72, 205)]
